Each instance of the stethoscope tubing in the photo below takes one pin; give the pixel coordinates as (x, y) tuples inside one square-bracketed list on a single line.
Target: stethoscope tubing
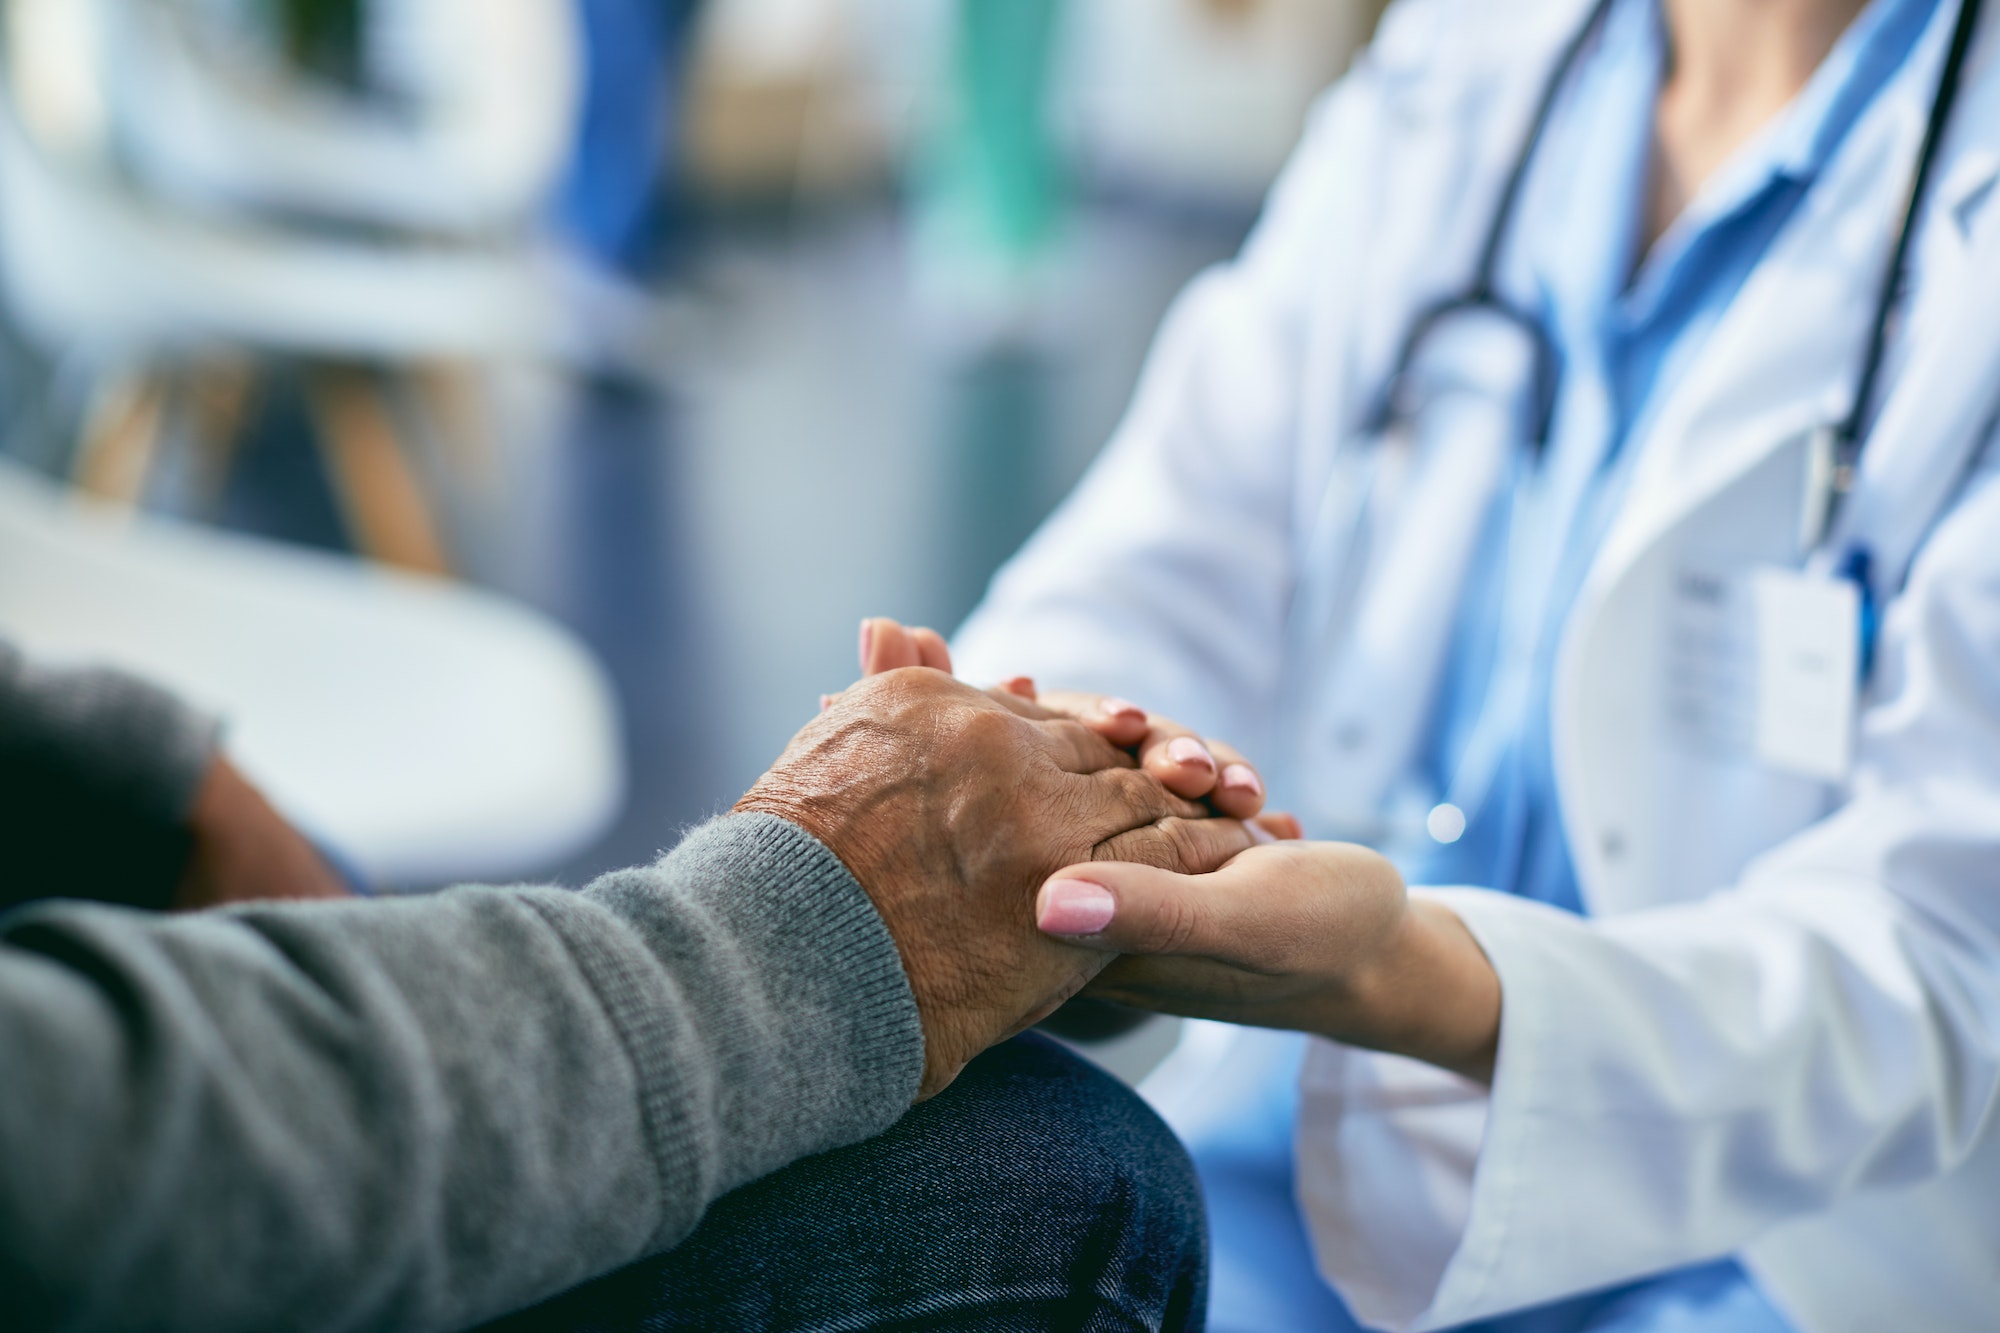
[(1482, 294)]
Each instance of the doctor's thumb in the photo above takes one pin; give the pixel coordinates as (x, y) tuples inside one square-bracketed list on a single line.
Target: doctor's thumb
[(1127, 908)]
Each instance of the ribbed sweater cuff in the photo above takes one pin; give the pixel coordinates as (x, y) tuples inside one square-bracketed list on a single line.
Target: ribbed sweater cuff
[(791, 1028)]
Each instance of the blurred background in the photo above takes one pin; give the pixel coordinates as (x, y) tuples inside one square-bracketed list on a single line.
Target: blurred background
[(504, 411)]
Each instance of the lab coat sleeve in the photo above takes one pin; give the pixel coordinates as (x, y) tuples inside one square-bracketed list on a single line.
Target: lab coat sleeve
[(1167, 574), (1675, 1083)]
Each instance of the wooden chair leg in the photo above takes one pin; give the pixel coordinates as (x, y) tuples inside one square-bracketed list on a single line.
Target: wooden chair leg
[(450, 395), (121, 436), (379, 492), (219, 395)]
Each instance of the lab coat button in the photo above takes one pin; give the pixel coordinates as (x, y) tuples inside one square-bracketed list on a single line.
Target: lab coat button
[(1612, 842), (1350, 735)]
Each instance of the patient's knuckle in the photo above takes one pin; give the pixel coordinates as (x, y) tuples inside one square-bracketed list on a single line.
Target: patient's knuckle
[(892, 696), (1087, 744), (986, 737), (1142, 797)]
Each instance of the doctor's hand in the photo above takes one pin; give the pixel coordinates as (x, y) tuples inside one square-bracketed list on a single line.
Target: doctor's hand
[(1187, 764), (1315, 937)]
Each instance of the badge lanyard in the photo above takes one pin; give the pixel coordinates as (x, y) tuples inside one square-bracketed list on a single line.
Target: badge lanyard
[(1836, 449)]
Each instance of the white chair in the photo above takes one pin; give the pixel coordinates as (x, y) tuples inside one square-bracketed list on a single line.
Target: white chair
[(159, 213), (474, 120), (430, 732)]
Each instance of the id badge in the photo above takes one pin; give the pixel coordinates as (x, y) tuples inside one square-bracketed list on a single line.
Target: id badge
[(1808, 674)]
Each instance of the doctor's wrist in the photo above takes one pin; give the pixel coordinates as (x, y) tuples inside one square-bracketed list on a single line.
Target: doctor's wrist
[(1429, 994)]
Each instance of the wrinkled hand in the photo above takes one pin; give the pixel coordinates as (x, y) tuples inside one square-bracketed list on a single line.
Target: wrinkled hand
[(951, 805), (1315, 937), (1187, 764), (245, 851)]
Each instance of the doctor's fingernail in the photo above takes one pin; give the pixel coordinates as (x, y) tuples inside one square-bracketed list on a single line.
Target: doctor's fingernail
[(1120, 709), (1243, 778), (1074, 907), (1188, 750), (867, 641)]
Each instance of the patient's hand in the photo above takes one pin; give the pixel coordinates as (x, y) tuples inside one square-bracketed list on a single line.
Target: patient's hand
[(951, 806), (245, 851), (1187, 764)]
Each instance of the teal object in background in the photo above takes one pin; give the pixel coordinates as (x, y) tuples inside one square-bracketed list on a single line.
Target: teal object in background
[(1000, 168), (990, 186)]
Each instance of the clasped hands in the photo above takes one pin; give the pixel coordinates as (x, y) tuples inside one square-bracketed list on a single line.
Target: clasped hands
[(1025, 846)]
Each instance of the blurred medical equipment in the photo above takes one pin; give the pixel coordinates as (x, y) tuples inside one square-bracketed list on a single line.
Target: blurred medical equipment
[(429, 732), (174, 196), (628, 135), (1187, 106)]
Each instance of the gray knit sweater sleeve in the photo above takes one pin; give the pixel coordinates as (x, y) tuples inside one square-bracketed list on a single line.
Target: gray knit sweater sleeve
[(421, 1113)]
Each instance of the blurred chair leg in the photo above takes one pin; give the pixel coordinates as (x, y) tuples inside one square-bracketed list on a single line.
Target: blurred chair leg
[(449, 395), (218, 402), (378, 489), (121, 434)]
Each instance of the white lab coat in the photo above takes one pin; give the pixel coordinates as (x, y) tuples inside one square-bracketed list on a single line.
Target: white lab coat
[(1778, 1034)]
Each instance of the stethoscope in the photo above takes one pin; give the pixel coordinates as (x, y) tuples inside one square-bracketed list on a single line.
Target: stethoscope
[(1834, 450)]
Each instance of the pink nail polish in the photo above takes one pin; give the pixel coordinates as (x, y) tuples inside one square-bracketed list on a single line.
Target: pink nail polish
[(867, 641), (1075, 907), (1121, 708), (1188, 750), (1241, 777)]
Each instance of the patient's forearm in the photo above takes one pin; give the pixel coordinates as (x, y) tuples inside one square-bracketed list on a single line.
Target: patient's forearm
[(419, 1114)]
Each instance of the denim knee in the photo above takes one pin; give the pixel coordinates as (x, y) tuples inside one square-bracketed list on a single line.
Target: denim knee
[(1037, 1192)]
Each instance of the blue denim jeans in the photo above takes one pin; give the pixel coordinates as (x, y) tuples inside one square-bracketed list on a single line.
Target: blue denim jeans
[(1036, 1193)]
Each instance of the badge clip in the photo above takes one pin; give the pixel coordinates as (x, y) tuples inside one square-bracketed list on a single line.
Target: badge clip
[(1823, 488)]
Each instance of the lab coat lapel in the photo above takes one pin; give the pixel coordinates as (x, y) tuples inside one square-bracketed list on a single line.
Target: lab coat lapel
[(1938, 413), (1722, 468)]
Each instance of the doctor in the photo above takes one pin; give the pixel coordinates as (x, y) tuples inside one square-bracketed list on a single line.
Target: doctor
[(1581, 489)]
